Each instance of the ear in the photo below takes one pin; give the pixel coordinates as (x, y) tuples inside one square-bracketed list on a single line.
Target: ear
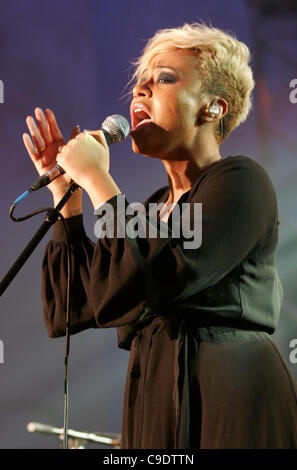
[(213, 111)]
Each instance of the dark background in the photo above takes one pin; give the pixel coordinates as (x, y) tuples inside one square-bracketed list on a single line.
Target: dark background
[(74, 57)]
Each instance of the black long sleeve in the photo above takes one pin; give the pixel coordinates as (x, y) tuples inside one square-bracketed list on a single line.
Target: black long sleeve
[(116, 279)]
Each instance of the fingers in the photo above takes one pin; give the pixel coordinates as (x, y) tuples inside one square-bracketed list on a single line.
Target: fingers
[(42, 159), (36, 136), (63, 149), (31, 149), (43, 126), (99, 136), (75, 131), (53, 126)]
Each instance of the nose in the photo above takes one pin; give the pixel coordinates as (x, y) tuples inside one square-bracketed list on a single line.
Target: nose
[(142, 89)]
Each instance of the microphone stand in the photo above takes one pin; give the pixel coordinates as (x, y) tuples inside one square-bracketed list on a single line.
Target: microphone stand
[(51, 218)]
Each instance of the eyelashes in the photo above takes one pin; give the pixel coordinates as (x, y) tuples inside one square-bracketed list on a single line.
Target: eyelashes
[(161, 78), (165, 78)]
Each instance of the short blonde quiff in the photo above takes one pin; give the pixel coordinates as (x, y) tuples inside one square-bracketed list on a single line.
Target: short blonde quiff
[(223, 64)]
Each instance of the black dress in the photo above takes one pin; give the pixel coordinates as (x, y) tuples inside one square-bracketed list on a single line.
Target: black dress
[(203, 371)]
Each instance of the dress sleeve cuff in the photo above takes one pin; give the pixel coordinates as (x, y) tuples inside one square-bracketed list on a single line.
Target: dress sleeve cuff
[(75, 227)]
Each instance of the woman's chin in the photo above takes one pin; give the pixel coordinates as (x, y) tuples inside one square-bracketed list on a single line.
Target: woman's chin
[(152, 141), (147, 150)]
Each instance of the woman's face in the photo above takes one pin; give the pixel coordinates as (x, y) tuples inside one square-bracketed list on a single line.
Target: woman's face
[(165, 106)]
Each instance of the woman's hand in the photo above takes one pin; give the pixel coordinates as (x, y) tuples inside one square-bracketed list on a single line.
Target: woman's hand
[(84, 157), (43, 145), (86, 160)]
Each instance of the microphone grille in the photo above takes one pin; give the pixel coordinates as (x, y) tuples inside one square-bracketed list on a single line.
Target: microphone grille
[(117, 127)]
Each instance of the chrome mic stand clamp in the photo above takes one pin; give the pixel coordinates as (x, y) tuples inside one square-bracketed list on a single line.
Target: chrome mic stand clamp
[(77, 439)]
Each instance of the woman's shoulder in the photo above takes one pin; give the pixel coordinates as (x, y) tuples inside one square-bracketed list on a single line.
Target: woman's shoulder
[(238, 177), (237, 161), (238, 167), (241, 168)]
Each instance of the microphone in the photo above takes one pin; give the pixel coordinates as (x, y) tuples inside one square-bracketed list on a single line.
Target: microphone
[(115, 129)]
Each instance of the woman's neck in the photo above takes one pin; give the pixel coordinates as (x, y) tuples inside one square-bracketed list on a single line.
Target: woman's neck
[(183, 168), (183, 174)]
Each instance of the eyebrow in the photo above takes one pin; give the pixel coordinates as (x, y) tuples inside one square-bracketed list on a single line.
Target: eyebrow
[(179, 72)]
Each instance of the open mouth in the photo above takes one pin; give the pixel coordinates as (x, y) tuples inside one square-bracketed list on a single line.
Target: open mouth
[(140, 116)]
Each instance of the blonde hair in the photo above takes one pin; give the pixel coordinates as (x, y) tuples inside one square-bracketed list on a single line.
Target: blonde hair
[(223, 64)]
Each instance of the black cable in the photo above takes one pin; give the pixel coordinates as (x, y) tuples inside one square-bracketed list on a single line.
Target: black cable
[(50, 212), (67, 333)]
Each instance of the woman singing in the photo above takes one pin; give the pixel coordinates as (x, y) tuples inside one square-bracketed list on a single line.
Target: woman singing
[(203, 371)]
